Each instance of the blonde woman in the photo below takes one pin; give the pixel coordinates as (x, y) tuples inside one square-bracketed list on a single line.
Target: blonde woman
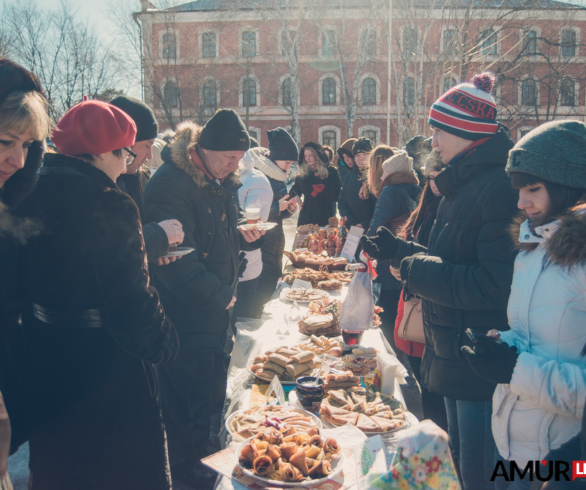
[(375, 168), (319, 183), (24, 125)]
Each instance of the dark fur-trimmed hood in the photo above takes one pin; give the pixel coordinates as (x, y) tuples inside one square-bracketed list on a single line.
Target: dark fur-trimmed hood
[(180, 148), (566, 246)]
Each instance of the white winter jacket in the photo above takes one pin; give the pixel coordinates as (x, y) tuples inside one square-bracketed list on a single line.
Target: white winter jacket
[(542, 406), (255, 191)]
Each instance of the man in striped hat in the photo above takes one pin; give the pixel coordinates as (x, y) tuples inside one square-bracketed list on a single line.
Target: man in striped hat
[(465, 273)]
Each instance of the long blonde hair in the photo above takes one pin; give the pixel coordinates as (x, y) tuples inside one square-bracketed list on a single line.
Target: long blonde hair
[(322, 166), (375, 168), (25, 110)]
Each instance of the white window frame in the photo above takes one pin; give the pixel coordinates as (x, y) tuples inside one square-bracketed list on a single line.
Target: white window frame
[(361, 130), (322, 33), (240, 44), (241, 95), (411, 27), (280, 38), (375, 29), (252, 128), (320, 90), (164, 82), (280, 93), (455, 55), (163, 32), (338, 132), (200, 42), (537, 92), (405, 77), (523, 128), (204, 81), (576, 94), (497, 31), (377, 89), (576, 47), (523, 32)]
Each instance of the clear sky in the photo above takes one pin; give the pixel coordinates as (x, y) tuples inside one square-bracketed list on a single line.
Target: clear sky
[(95, 10)]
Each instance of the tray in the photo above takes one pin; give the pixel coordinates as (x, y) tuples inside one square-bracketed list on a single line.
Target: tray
[(285, 291), (258, 226), (238, 438), (325, 371), (337, 466), (180, 252)]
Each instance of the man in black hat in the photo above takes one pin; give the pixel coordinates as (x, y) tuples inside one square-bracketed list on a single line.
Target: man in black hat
[(197, 185), (157, 236)]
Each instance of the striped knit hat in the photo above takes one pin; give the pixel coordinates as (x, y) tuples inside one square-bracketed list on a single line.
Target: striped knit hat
[(467, 110)]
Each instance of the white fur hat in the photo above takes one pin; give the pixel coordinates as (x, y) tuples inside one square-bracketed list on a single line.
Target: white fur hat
[(399, 162)]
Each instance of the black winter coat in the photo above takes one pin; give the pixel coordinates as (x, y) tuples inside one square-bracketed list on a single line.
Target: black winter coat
[(274, 245), (397, 200), (358, 211), (155, 238), (465, 274), (196, 289), (319, 208), (94, 419)]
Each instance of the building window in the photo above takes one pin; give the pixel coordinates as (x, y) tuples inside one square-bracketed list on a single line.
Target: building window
[(286, 92), (410, 38), (248, 92), (567, 92), (489, 40), (253, 134), (169, 46), (287, 41), (369, 41), (524, 131), (329, 92), (449, 82), (568, 43), (529, 92), (248, 44), (329, 139), (450, 41), (368, 92), (530, 46), (209, 94), (209, 44), (409, 91), (371, 135), (170, 95), (329, 42)]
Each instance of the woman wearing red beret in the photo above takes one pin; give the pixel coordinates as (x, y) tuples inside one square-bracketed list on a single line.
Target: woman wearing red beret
[(93, 323)]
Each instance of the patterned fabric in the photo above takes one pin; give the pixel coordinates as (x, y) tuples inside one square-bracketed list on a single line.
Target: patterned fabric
[(425, 461), (466, 110)]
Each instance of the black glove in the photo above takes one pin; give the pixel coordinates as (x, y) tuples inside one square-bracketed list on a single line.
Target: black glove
[(382, 246), (242, 263), (405, 267), (492, 360)]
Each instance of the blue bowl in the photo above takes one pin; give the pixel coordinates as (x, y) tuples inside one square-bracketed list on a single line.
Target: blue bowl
[(308, 393)]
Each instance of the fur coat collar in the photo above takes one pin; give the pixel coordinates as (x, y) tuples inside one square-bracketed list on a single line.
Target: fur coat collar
[(564, 239), (181, 148)]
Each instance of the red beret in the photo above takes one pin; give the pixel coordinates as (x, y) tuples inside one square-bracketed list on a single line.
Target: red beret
[(93, 127)]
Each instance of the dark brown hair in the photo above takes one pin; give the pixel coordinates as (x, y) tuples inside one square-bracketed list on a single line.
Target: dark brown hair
[(561, 197)]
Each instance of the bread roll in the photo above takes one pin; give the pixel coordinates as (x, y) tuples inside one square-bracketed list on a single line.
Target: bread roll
[(296, 369), (271, 366), (278, 359), (303, 357)]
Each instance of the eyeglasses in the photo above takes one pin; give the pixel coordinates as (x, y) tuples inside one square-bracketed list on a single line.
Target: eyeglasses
[(130, 157)]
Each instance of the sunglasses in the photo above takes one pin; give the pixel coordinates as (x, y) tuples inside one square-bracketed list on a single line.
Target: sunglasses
[(130, 157)]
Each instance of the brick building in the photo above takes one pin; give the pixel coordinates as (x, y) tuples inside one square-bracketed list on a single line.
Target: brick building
[(322, 69)]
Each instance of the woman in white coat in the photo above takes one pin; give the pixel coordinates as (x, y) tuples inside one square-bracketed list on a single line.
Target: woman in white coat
[(538, 403)]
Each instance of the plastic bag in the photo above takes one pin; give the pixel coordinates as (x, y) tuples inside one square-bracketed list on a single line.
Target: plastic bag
[(358, 308), (388, 368)]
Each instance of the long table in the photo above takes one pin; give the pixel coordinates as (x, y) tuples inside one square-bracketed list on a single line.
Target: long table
[(278, 327)]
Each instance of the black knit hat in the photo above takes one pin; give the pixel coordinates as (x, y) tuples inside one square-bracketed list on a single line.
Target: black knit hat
[(362, 145), (143, 116), (281, 145), (554, 152), (225, 131)]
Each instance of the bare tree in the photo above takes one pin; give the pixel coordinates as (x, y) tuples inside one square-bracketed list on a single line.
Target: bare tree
[(62, 50)]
